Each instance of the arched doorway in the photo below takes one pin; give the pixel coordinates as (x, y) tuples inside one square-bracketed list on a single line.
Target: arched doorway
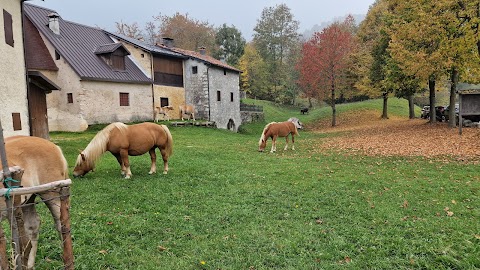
[(231, 125)]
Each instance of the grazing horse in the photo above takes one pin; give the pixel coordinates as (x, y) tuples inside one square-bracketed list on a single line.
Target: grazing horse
[(187, 110), (277, 129), (162, 110), (127, 140), (43, 162)]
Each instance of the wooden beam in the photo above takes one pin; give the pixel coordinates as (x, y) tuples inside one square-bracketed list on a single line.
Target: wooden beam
[(36, 189)]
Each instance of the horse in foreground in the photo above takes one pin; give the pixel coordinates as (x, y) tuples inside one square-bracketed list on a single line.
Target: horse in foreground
[(43, 162), (187, 110), (127, 140), (279, 129)]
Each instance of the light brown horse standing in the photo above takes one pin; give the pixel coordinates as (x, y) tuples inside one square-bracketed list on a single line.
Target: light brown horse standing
[(162, 110), (187, 110), (127, 140), (277, 129), (43, 162)]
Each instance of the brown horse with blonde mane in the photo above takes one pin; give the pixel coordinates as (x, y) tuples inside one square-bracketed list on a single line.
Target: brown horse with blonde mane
[(43, 162), (278, 129), (127, 140)]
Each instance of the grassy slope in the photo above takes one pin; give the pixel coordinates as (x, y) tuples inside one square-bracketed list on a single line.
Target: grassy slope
[(223, 205)]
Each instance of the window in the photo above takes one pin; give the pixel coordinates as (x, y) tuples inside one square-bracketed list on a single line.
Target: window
[(57, 55), (194, 70), (118, 60), (163, 101), (17, 122), (224, 71), (231, 96), (124, 99), (142, 55), (168, 71), (8, 27), (69, 98), (219, 96)]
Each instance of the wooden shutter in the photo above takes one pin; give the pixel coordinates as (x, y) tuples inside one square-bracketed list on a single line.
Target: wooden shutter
[(8, 27), (17, 122)]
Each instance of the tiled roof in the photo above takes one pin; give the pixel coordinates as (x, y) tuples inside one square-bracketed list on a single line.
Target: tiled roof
[(78, 43)]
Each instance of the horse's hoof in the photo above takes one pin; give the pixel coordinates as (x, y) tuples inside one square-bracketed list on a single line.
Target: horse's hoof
[(151, 173), (164, 172), (128, 176)]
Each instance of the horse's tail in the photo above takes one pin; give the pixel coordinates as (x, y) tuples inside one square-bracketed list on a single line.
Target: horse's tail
[(262, 138), (169, 144)]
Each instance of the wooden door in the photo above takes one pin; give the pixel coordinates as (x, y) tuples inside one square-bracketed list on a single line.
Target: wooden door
[(37, 105)]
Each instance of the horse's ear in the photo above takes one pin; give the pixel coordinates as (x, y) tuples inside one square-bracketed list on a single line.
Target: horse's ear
[(83, 156)]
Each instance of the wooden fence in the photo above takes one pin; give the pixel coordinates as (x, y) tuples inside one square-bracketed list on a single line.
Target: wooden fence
[(12, 196)]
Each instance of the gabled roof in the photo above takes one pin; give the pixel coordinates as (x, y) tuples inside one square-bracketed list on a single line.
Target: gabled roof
[(36, 53), (147, 47), (172, 51), (200, 57), (109, 48), (77, 45)]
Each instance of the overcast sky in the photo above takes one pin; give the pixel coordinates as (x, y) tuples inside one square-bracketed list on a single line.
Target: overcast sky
[(242, 14)]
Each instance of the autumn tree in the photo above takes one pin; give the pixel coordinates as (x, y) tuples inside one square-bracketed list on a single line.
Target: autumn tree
[(324, 61), (129, 30), (253, 79), (188, 33), (230, 44), (275, 33)]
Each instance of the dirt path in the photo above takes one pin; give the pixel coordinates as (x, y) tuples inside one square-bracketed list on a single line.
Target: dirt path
[(365, 132)]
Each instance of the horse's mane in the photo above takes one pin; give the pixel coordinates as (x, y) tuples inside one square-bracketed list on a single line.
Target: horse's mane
[(98, 145), (262, 138), (169, 145)]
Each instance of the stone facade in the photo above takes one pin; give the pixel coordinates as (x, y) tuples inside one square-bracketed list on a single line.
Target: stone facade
[(13, 96), (215, 93)]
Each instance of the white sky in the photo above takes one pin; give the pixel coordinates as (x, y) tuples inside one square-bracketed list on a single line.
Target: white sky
[(242, 14)]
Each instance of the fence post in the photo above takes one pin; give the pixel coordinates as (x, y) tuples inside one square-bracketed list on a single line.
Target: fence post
[(9, 203), (66, 230)]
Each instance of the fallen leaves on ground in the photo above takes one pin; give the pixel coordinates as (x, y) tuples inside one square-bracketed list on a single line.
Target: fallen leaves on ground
[(367, 133)]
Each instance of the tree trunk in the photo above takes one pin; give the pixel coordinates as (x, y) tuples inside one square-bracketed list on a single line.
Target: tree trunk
[(411, 107), (385, 106), (453, 87), (334, 110), (432, 113), (310, 105)]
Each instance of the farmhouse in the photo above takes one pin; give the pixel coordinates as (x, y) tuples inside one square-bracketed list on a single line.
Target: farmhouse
[(212, 86), (165, 67), (100, 81), (13, 97), (188, 77)]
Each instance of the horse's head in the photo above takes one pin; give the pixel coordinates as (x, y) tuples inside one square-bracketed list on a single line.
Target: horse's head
[(262, 144), (82, 166)]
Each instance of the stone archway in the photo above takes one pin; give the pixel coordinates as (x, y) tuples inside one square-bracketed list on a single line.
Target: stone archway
[(231, 125)]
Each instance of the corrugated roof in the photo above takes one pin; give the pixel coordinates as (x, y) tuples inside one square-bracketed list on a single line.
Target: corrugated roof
[(78, 43), (200, 57), (36, 53), (109, 48), (172, 51), (147, 47)]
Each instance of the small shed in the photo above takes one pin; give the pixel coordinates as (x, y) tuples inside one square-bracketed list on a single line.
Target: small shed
[(469, 102)]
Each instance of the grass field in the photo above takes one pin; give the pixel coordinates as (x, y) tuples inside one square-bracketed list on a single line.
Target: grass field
[(224, 205)]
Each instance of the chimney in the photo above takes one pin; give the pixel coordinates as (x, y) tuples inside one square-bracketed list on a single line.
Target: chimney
[(168, 42), (53, 23), (202, 50)]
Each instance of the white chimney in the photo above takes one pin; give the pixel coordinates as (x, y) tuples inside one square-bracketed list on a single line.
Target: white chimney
[(202, 50), (53, 23)]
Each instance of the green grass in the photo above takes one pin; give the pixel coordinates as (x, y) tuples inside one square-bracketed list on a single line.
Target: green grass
[(224, 205)]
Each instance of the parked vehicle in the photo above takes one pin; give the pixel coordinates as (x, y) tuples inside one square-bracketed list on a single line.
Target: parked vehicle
[(438, 113), (447, 110), (425, 112)]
